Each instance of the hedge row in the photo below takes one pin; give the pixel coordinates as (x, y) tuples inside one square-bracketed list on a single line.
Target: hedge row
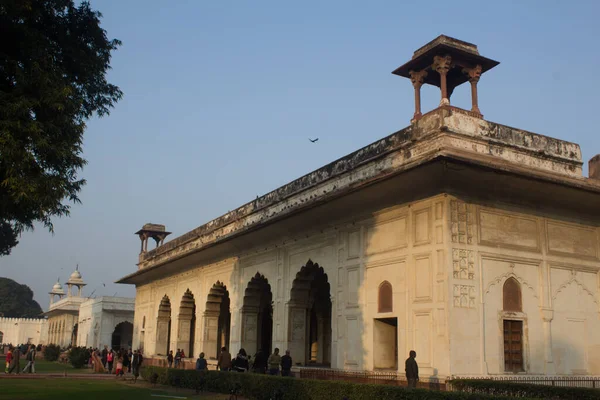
[(265, 387), (514, 389)]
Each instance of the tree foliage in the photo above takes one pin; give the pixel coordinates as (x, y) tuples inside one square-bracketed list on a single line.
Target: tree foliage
[(54, 57), (79, 356), (16, 301), (52, 352)]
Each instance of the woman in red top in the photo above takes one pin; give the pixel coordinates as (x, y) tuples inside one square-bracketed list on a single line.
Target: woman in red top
[(9, 357)]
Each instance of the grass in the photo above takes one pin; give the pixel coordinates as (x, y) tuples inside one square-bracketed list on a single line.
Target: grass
[(43, 366), (65, 389)]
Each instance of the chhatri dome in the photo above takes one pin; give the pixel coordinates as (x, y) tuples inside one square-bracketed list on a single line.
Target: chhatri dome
[(75, 280), (57, 288)]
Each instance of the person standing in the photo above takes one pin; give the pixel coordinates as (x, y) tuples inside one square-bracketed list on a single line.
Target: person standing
[(119, 371), (274, 361), (105, 356), (127, 360), (16, 362), (201, 364), (224, 363), (412, 370), (136, 362), (177, 358), (286, 364), (260, 362), (240, 364), (170, 359), (109, 360), (30, 367), (9, 357)]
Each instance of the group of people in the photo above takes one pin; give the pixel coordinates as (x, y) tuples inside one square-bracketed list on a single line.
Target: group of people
[(177, 358), (274, 364), (13, 359), (121, 361)]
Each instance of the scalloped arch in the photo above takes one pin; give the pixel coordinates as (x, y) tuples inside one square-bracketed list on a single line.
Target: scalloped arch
[(581, 285), (504, 277)]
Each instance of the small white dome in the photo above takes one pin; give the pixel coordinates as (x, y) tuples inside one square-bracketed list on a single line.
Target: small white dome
[(57, 289), (75, 275)]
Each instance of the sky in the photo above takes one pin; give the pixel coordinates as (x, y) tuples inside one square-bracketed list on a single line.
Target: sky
[(221, 97)]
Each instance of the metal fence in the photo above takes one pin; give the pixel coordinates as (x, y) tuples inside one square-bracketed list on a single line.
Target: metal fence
[(563, 381), (372, 377)]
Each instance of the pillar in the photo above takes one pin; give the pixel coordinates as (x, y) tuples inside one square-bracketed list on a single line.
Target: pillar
[(547, 317), (442, 65), (297, 333), (474, 74), (417, 78), (250, 330), (320, 339), (211, 332)]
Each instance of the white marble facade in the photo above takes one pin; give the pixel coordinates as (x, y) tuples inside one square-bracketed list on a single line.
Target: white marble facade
[(447, 261)]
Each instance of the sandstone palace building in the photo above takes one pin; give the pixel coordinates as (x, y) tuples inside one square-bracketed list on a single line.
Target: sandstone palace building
[(473, 243)]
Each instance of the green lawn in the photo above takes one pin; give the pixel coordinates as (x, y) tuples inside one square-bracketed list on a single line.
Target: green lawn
[(43, 366), (74, 389)]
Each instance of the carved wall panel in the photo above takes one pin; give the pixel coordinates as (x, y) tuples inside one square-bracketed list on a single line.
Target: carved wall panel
[(423, 343), (500, 229), (353, 348), (353, 279), (423, 278), (463, 264), (462, 220), (387, 236), (353, 244), (573, 240), (298, 324), (464, 296), (422, 227)]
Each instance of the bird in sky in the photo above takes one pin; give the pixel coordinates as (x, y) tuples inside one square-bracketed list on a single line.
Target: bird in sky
[(313, 140)]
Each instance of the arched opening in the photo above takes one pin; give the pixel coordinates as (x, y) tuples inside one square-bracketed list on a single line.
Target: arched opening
[(511, 296), (385, 330), (186, 330), (310, 316), (163, 327), (217, 320), (512, 327), (122, 336), (385, 298), (257, 316), (74, 335)]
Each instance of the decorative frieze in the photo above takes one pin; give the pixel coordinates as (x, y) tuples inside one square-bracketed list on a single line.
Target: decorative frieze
[(462, 220)]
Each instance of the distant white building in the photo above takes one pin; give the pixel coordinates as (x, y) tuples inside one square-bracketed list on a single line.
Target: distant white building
[(17, 331), (74, 320)]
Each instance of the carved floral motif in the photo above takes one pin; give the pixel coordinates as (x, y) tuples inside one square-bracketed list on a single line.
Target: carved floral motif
[(463, 264), (464, 296), (462, 220)]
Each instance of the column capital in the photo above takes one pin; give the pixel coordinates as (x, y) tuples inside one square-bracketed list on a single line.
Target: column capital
[(473, 73), (547, 314), (442, 64), (417, 78)]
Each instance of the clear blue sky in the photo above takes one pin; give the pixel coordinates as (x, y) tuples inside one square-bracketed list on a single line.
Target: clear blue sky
[(221, 98)]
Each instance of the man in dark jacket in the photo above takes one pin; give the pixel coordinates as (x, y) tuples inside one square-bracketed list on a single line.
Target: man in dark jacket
[(412, 370), (260, 362), (286, 364)]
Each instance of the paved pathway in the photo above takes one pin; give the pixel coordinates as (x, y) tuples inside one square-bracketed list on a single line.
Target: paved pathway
[(61, 375)]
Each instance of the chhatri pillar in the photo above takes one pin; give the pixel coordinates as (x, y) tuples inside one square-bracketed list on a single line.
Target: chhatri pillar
[(446, 63)]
